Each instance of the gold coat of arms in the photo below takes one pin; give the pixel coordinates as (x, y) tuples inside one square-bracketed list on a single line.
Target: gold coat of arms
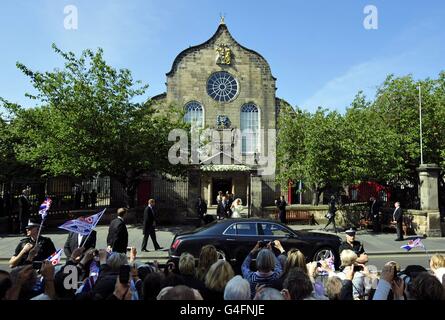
[(223, 54)]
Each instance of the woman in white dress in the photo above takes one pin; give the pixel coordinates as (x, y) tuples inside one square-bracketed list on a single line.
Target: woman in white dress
[(237, 208)]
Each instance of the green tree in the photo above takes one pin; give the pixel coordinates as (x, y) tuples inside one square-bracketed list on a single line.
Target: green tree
[(397, 103), (368, 144), (10, 166), (310, 149), (89, 123)]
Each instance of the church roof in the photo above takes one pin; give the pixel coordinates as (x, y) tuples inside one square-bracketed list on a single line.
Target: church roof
[(221, 28)]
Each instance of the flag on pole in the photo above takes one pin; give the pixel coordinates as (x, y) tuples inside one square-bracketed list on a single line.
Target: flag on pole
[(413, 244), (44, 207), (83, 225), (55, 257)]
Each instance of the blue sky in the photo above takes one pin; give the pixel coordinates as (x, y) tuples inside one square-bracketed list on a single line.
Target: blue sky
[(318, 50)]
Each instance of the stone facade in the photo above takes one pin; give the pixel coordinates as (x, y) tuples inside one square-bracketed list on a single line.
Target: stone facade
[(187, 82)]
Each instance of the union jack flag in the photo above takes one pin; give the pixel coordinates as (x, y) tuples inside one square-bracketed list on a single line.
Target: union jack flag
[(44, 207), (413, 244), (83, 225), (55, 257)]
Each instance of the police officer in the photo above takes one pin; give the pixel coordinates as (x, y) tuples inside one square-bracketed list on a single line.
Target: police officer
[(27, 251), (354, 245)]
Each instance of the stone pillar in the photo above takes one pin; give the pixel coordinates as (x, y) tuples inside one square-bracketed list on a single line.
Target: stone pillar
[(194, 190), (433, 227), (256, 195), (429, 197), (429, 186), (209, 194)]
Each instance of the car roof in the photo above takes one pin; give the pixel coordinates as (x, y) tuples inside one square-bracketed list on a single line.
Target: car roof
[(249, 220)]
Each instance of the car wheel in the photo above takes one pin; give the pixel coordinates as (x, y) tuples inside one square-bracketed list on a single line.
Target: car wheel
[(323, 254)]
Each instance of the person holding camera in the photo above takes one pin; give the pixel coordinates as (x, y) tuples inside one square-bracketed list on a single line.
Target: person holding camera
[(268, 267), (349, 261), (28, 250)]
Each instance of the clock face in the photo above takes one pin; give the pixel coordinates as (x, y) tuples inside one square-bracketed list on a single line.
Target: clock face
[(222, 86)]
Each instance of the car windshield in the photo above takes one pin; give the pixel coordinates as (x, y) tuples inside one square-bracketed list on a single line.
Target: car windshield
[(272, 229)]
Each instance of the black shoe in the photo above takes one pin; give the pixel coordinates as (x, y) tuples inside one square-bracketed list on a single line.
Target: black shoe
[(160, 248), (144, 250), (399, 239)]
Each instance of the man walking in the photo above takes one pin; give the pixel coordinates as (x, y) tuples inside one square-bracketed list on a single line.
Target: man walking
[(398, 218), (331, 214), (117, 239), (149, 226)]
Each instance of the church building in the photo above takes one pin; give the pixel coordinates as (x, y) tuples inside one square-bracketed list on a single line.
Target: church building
[(228, 89)]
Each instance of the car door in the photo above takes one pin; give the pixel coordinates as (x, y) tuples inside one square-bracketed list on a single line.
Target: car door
[(270, 231), (240, 238)]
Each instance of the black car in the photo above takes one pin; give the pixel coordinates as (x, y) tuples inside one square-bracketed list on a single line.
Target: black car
[(235, 238)]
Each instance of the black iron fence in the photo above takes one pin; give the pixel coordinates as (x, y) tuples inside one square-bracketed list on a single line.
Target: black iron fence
[(65, 193)]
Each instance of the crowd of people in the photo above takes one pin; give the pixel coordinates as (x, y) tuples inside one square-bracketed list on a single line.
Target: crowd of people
[(268, 272)]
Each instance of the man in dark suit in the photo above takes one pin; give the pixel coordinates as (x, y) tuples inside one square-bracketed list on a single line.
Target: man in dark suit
[(24, 210), (331, 214), (76, 240), (220, 213), (374, 213), (201, 208), (398, 218), (281, 205), (226, 206), (149, 226), (117, 239)]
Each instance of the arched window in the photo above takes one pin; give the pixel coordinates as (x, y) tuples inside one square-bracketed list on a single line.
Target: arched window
[(194, 114), (249, 128)]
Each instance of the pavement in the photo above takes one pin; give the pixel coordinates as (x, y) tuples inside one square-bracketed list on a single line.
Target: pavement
[(380, 246), (384, 243)]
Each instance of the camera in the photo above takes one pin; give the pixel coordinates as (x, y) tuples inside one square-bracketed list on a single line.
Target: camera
[(358, 268), (37, 265), (124, 274), (395, 272), (263, 243)]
